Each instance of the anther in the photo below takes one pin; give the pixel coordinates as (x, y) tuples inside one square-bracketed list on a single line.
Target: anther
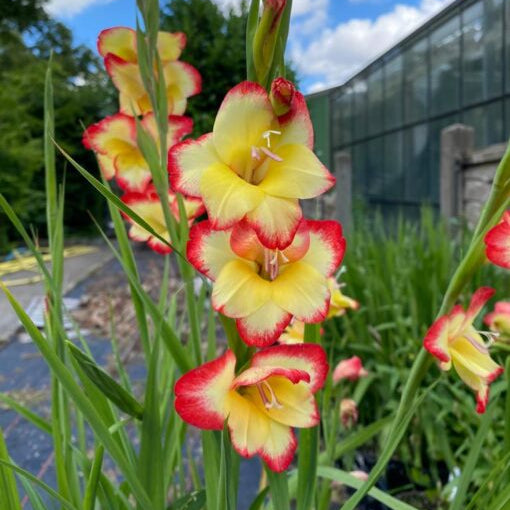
[(267, 135), (268, 404)]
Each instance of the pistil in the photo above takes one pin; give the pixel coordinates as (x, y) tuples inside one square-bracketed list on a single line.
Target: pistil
[(271, 402)]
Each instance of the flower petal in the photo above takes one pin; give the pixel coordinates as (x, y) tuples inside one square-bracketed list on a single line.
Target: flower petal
[(226, 196), (308, 357), (264, 326), (497, 241), (111, 136), (209, 250), (249, 427), (327, 246), (300, 174), (178, 126), (479, 364), (127, 79), (436, 340), (296, 125), (254, 375), (298, 406), (170, 45), (478, 300), (182, 80), (244, 115), (187, 162), (275, 220), (201, 395), (302, 291), (279, 448), (239, 290), (245, 243), (106, 165), (120, 41)]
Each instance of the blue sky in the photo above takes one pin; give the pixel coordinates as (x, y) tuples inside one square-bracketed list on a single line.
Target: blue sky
[(329, 40)]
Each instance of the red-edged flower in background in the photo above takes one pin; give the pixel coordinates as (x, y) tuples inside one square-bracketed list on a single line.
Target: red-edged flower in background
[(254, 165), (497, 242), (118, 47), (339, 302), (261, 288), (115, 143), (499, 320), (261, 404), (148, 206), (351, 369), (452, 339)]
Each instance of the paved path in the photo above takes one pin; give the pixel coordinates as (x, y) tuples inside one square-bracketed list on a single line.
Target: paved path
[(31, 296)]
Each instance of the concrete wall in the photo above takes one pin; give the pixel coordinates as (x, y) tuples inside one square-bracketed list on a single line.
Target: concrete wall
[(466, 174)]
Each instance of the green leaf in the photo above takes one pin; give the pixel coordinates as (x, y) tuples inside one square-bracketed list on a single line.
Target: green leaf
[(279, 489), (258, 502), (193, 501), (9, 498), (29, 415), (344, 478), (108, 386), (307, 467), (89, 500)]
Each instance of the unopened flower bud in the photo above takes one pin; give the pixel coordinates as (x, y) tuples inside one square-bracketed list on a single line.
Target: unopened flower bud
[(351, 369), (282, 93), (348, 412)]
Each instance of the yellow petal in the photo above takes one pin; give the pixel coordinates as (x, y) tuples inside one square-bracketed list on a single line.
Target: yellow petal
[(300, 174), (120, 41), (226, 196), (106, 165), (239, 290), (244, 116), (170, 45), (302, 291), (466, 355)]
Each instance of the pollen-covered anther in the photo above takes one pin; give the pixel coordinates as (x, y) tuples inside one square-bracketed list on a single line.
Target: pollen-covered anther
[(271, 402)]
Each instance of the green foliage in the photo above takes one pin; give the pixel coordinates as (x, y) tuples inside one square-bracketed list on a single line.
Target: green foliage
[(399, 275), (82, 94)]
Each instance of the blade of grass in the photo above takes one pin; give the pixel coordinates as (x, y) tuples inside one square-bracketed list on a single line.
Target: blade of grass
[(9, 497)]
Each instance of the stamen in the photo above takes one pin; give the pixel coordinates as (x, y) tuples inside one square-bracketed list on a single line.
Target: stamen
[(268, 404), (255, 152), (267, 135), (480, 348), (270, 154), (284, 258)]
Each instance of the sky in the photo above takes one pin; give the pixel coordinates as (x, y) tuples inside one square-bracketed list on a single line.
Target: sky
[(329, 41)]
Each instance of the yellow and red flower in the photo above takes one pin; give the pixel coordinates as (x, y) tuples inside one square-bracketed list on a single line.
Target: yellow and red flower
[(148, 206), (351, 369), (118, 47), (497, 241), (339, 302), (452, 339), (115, 143), (499, 320), (255, 165), (262, 288), (261, 404)]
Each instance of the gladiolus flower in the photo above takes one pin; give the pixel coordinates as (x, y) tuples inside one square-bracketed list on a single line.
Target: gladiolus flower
[(339, 302), (261, 288), (254, 165), (348, 412), (118, 47), (148, 206), (499, 319), (261, 404), (497, 242), (115, 143), (351, 369), (452, 339)]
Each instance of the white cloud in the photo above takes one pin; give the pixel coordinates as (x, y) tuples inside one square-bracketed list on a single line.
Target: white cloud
[(338, 52), (308, 16), (69, 8)]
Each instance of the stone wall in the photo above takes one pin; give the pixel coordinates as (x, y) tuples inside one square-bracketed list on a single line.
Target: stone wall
[(466, 174)]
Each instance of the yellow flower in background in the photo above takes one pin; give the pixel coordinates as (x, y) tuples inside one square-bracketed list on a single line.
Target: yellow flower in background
[(118, 47), (339, 303), (453, 340), (499, 320), (115, 142)]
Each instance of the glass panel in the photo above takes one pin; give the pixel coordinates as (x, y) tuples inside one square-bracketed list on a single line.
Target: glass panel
[(375, 101), (415, 81), (435, 153), (342, 116), (482, 47), (393, 186), (488, 123), (358, 153), (374, 167), (507, 119), (393, 91), (416, 158), (444, 66), (359, 113)]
